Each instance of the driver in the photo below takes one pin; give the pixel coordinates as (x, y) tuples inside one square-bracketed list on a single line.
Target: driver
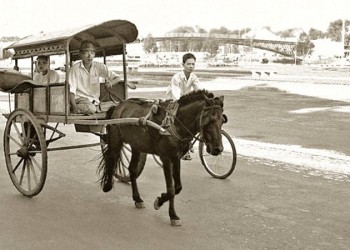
[(84, 80)]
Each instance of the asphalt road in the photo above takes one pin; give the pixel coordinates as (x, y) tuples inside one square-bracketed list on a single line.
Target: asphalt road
[(262, 205)]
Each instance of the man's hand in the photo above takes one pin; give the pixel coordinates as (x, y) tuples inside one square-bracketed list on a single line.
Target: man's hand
[(108, 85), (113, 81)]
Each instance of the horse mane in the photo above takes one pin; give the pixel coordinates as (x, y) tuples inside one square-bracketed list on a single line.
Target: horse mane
[(194, 96)]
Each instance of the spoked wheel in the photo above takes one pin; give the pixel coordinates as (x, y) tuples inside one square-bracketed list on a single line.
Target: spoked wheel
[(25, 152), (220, 166), (122, 172)]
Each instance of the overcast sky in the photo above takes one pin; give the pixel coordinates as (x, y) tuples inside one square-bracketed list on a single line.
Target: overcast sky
[(25, 17)]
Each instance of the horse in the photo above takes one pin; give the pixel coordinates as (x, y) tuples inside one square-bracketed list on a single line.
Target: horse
[(197, 112)]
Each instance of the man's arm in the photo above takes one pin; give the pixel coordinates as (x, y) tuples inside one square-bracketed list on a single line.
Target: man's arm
[(72, 103), (111, 77), (173, 91), (196, 83), (72, 79)]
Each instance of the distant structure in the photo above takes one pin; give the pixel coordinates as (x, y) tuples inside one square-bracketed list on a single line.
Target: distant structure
[(258, 39)]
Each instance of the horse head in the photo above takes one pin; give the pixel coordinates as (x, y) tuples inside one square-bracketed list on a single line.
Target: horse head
[(211, 121)]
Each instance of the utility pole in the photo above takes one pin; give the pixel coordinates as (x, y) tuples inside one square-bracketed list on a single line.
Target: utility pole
[(343, 42)]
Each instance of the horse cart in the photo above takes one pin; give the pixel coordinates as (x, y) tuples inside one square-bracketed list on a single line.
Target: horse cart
[(32, 124)]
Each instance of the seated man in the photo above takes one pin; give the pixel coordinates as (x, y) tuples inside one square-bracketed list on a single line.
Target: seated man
[(43, 74), (84, 81)]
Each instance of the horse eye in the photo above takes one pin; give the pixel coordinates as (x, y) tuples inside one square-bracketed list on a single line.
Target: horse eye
[(225, 119)]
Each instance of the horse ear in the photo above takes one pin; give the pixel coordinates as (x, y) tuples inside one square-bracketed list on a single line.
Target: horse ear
[(221, 98), (207, 100)]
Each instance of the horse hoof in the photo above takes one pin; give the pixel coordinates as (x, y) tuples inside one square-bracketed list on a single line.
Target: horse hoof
[(139, 204), (156, 206), (107, 188), (175, 223)]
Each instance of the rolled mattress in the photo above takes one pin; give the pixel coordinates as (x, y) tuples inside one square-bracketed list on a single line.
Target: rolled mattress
[(10, 78)]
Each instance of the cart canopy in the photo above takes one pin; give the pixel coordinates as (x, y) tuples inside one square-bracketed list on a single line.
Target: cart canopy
[(108, 37)]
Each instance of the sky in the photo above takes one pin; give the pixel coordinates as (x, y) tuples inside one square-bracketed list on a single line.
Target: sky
[(156, 17)]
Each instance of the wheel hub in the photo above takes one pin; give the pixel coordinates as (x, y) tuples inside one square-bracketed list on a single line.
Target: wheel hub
[(23, 152)]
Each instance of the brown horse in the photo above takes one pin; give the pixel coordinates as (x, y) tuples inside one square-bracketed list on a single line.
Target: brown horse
[(197, 112)]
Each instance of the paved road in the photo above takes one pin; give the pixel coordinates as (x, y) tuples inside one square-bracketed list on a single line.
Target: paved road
[(265, 204)]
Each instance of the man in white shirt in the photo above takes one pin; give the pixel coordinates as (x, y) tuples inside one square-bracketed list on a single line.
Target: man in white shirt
[(84, 80), (43, 74), (184, 81)]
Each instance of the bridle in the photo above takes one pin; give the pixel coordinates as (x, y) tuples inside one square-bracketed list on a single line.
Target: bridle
[(171, 116), (211, 107)]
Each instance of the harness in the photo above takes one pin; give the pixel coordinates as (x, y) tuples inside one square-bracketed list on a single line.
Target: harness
[(211, 107), (169, 122)]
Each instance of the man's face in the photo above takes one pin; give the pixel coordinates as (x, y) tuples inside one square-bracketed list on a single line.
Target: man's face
[(43, 65), (189, 65), (87, 55)]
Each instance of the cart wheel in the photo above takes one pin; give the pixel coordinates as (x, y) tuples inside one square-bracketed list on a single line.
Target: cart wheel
[(157, 160), (122, 172), (25, 152), (220, 166)]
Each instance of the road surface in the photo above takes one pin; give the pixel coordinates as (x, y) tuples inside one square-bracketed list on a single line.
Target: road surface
[(267, 203)]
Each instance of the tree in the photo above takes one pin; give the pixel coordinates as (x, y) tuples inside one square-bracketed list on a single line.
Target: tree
[(292, 32), (211, 46), (9, 39), (334, 30), (183, 29), (149, 44), (304, 45), (316, 34)]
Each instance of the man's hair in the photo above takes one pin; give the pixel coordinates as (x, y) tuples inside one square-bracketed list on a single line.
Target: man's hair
[(45, 58), (86, 44), (188, 56)]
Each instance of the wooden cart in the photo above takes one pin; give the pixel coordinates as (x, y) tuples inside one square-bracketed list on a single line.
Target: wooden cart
[(32, 127)]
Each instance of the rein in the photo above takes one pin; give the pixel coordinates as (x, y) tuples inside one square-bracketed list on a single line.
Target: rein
[(115, 99), (214, 107), (168, 122)]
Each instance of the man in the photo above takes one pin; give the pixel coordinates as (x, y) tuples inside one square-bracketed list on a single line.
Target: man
[(84, 80), (184, 81), (43, 73)]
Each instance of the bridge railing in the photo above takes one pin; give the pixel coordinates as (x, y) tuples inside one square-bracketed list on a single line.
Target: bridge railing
[(202, 35)]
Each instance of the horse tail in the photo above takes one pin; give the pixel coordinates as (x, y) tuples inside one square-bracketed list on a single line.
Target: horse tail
[(105, 171), (109, 158)]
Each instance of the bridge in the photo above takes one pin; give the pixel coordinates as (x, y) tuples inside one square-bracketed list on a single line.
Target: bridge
[(283, 47)]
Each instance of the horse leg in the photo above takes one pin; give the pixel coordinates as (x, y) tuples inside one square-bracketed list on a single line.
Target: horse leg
[(170, 194), (177, 177), (111, 157), (135, 159)]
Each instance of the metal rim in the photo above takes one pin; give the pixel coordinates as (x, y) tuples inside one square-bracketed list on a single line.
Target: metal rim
[(25, 152), (220, 166)]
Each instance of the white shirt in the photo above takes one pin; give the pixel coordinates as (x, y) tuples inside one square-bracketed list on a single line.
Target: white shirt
[(180, 86), (87, 84), (44, 79)]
